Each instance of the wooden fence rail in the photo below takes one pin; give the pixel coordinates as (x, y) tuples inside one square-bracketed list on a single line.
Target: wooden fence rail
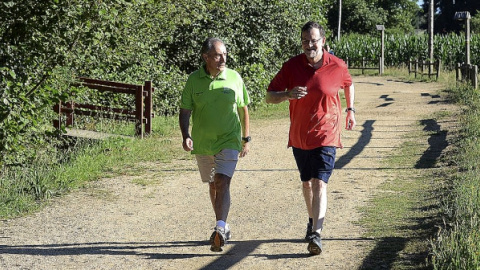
[(467, 73), (418, 67), (364, 64), (142, 115)]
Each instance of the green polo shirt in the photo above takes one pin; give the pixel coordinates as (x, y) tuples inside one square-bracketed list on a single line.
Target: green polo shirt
[(214, 102)]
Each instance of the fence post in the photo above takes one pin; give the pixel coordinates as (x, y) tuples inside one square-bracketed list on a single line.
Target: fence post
[(439, 66), (422, 68), (475, 76), (416, 67), (148, 107), (139, 111), (430, 66), (457, 73), (57, 123), (69, 116), (363, 65), (380, 66)]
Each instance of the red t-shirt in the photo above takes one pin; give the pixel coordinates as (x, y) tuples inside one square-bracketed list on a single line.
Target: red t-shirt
[(314, 119)]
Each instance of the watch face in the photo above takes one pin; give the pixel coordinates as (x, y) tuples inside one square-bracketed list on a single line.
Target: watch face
[(247, 139)]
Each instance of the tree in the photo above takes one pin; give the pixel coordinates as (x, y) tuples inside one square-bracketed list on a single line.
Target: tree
[(360, 16), (475, 23), (445, 11)]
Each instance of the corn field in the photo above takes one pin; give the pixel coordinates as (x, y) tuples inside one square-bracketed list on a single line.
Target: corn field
[(449, 48)]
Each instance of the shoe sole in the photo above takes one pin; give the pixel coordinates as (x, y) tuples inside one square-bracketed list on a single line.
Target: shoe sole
[(314, 249), (216, 242)]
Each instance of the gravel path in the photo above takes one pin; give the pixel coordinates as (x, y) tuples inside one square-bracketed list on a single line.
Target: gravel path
[(119, 224)]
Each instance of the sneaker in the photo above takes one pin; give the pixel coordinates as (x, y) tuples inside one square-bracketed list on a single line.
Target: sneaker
[(218, 239), (309, 232), (228, 234), (315, 244)]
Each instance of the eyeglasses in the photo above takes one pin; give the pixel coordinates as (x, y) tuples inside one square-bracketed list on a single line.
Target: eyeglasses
[(308, 42)]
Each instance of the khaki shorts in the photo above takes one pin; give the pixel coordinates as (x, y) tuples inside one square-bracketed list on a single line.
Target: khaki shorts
[(223, 162)]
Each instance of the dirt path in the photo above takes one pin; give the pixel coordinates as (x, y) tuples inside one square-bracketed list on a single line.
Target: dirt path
[(120, 224)]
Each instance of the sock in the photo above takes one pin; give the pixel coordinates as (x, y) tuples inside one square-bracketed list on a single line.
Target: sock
[(310, 220), (221, 223)]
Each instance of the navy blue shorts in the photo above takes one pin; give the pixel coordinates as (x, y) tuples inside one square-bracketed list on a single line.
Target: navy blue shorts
[(316, 163)]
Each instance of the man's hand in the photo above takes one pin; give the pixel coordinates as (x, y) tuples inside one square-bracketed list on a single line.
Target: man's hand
[(350, 121), (297, 92), (188, 144), (245, 149)]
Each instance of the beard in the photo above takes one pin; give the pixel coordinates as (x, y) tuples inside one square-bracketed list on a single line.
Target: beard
[(311, 53)]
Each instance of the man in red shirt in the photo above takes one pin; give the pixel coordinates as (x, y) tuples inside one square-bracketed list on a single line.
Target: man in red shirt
[(311, 83)]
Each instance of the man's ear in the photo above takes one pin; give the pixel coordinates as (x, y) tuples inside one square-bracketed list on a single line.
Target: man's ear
[(204, 57)]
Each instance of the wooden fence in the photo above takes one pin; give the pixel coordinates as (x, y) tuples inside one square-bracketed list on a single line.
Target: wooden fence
[(467, 73), (364, 64), (424, 68), (142, 115)]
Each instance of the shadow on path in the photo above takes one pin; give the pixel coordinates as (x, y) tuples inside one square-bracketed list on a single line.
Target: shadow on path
[(239, 251), (356, 149), (437, 143)]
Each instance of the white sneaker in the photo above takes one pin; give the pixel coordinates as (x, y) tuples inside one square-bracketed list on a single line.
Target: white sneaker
[(228, 234)]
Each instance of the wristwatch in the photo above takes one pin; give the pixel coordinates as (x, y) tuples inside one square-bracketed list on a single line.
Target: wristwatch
[(350, 109), (246, 139)]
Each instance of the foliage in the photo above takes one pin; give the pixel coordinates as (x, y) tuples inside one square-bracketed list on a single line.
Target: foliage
[(445, 12), (475, 23), (45, 45), (400, 48), (361, 17)]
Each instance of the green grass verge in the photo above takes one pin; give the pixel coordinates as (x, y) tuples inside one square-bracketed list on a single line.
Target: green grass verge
[(458, 243), (401, 216)]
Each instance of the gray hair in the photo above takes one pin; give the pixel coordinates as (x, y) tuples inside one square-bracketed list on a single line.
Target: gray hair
[(209, 43)]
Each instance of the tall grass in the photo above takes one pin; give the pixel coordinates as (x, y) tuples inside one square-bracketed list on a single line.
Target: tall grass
[(458, 244)]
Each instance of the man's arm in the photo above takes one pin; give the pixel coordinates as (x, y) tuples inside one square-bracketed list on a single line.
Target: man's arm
[(184, 120), (275, 97), (350, 97), (245, 121)]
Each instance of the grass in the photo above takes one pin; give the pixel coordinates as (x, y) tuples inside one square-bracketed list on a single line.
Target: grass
[(458, 244), (404, 215), (401, 216)]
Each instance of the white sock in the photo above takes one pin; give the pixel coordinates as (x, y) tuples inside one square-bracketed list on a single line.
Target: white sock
[(221, 223)]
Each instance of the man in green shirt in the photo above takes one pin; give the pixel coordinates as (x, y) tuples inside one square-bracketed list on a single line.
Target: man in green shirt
[(216, 99)]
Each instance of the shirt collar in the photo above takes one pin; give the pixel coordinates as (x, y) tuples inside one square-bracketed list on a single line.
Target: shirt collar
[(221, 76), (325, 59)]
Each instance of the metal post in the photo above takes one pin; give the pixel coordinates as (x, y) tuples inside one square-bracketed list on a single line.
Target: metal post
[(467, 38), (381, 27), (339, 19), (430, 29), (460, 16)]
